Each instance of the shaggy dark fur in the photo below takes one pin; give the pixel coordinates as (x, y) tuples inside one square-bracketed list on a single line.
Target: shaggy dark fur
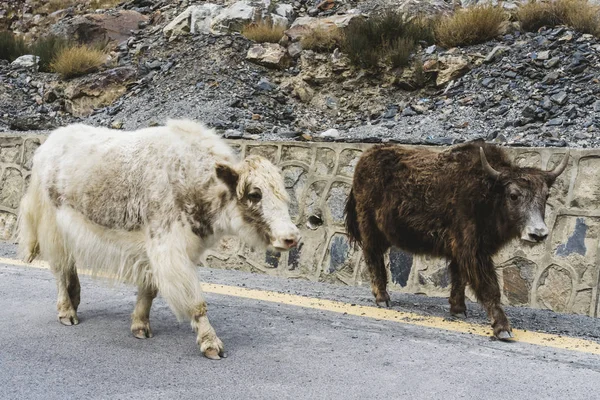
[(444, 204)]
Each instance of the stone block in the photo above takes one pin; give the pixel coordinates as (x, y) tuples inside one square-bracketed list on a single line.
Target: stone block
[(10, 154), (12, 188), (347, 163), (8, 224), (583, 302), (586, 190), (336, 201), (296, 153), (337, 265), (560, 189), (325, 161), (529, 159), (518, 275), (294, 179), (312, 201), (267, 151), (555, 288)]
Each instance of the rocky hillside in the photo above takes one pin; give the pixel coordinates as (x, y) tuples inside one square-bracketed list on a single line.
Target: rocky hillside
[(188, 59)]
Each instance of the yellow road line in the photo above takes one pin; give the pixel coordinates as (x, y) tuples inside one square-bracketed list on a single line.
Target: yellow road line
[(523, 336)]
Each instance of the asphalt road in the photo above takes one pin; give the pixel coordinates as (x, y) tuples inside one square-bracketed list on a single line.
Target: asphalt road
[(275, 351)]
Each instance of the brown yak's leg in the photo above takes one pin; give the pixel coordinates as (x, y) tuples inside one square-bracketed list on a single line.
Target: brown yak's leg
[(374, 248), (457, 294), (484, 283)]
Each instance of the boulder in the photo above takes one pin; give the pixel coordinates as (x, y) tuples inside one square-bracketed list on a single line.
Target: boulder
[(201, 18), (269, 54), (286, 11), (305, 25), (26, 61), (451, 68), (84, 95), (298, 88), (114, 26), (234, 17), (180, 25)]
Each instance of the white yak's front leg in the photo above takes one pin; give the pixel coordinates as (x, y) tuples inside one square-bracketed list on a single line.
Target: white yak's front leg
[(175, 277)]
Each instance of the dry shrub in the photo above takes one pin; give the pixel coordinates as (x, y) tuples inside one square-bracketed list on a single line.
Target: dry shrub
[(54, 5), (387, 37), (579, 14), (11, 46), (77, 60), (47, 48), (322, 39), (104, 4), (469, 26), (263, 32), (398, 52)]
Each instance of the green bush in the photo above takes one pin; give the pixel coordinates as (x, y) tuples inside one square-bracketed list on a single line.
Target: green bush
[(11, 46), (387, 38)]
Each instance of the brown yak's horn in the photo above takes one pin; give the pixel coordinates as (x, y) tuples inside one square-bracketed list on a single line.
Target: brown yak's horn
[(486, 165), (559, 169)]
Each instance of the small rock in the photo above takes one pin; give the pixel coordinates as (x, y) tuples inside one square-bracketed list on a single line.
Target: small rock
[(560, 98), (555, 122), (510, 74), (543, 55), (489, 83), (431, 49), (496, 53), (597, 106), (546, 103), (408, 112), (116, 124), (551, 78), (330, 133), (26, 61), (269, 55), (551, 63), (294, 49), (265, 85)]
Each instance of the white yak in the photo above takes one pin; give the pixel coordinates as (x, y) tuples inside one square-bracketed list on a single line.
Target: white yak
[(142, 207)]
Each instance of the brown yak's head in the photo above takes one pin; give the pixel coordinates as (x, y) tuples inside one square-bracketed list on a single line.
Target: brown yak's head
[(524, 194)]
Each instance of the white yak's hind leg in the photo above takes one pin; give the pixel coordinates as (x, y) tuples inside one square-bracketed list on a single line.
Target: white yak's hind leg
[(175, 276), (67, 283), (140, 319)]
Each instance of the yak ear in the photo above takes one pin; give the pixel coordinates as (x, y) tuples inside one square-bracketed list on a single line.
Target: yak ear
[(228, 175)]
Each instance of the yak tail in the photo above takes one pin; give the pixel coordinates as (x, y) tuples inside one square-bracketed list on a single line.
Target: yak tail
[(351, 219), (29, 217)]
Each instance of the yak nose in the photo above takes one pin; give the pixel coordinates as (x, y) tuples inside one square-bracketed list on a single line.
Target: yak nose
[(538, 234), (290, 243)]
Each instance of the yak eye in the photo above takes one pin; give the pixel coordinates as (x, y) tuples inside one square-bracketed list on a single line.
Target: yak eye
[(514, 196), (255, 196)]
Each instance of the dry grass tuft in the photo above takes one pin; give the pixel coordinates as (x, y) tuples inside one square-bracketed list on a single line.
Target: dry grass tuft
[(263, 32), (322, 39), (578, 14), (54, 5), (77, 60), (104, 4), (470, 26)]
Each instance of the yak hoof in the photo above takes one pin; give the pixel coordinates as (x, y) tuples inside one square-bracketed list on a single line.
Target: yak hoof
[(68, 321), (142, 333), (462, 315), (381, 303), (213, 354), (505, 335)]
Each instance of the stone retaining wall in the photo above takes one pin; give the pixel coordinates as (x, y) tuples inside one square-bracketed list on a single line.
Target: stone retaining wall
[(561, 274)]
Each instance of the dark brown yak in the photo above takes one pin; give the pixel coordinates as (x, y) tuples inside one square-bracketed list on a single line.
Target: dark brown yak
[(464, 204)]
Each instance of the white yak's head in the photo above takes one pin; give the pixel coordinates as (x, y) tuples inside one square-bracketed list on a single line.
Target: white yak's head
[(262, 203)]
